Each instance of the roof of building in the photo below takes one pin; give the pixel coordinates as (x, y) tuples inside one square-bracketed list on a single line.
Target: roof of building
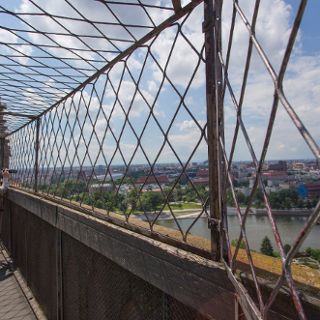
[(152, 179)]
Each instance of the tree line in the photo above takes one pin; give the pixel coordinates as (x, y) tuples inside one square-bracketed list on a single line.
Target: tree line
[(282, 199)]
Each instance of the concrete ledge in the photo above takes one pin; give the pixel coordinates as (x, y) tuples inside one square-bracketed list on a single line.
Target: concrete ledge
[(193, 280)]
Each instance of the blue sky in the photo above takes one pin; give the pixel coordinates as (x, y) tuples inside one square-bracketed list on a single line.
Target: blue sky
[(310, 26), (302, 87)]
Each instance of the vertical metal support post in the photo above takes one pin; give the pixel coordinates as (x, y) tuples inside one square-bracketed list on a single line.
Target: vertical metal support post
[(212, 32), (2, 147), (36, 162), (1, 202), (238, 313)]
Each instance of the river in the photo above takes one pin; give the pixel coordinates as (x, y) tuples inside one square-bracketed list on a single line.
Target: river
[(257, 228)]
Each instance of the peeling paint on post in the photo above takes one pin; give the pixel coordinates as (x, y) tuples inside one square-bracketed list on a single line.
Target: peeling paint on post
[(212, 31)]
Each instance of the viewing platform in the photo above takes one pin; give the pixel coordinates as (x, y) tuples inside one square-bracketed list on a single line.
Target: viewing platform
[(14, 302)]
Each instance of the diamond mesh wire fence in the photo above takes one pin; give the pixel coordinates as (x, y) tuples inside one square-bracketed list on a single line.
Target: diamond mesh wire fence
[(105, 145), (235, 94), (23, 156), (129, 110), (97, 288)]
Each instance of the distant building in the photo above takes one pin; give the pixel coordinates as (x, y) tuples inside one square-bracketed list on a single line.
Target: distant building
[(313, 190), (99, 169), (153, 180), (276, 176), (107, 177), (299, 166), (100, 187), (200, 181), (309, 190), (284, 186), (203, 173), (302, 191), (280, 166)]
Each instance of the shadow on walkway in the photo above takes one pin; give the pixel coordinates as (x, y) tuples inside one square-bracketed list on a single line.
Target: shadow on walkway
[(6, 270)]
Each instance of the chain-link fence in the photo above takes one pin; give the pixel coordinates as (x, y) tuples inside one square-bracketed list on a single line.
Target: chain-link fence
[(234, 95), (144, 120), (106, 144)]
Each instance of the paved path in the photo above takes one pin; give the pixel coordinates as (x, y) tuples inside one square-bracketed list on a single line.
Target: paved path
[(13, 303)]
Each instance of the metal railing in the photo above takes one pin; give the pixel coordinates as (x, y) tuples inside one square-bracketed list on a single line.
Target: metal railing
[(122, 139)]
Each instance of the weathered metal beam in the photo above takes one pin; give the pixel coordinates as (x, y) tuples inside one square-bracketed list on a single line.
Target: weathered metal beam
[(36, 162), (176, 5), (212, 31), (2, 147), (17, 114)]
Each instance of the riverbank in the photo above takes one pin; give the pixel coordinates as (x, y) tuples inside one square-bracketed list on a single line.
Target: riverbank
[(285, 212), (193, 213), (277, 212), (166, 215)]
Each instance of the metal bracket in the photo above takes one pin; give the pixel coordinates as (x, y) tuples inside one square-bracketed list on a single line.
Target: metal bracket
[(214, 224)]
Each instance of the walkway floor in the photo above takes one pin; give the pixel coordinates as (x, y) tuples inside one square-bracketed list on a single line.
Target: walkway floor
[(13, 303)]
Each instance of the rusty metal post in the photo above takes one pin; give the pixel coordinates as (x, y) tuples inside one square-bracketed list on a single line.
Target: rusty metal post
[(212, 32), (36, 162)]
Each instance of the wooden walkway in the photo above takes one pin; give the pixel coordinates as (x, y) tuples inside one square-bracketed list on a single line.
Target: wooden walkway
[(13, 303)]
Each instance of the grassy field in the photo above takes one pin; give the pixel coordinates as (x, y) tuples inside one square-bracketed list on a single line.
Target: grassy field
[(184, 206)]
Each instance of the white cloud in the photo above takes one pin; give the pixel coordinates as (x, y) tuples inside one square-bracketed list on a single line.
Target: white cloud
[(189, 125), (301, 83), (183, 59), (7, 36), (98, 12)]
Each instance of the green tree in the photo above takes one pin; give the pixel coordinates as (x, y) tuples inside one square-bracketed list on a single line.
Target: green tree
[(266, 247), (132, 199), (171, 196), (178, 193), (123, 206), (259, 199), (150, 200), (242, 199), (229, 199), (190, 194), (235, 242), (285, 199), (313, 253), (68, 188)]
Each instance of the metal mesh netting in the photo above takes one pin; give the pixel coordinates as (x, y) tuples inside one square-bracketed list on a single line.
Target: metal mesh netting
[(237, 94), (97, 288), (32, 244), (23, 156), (127, 140), (105, 146), (49, 49)]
